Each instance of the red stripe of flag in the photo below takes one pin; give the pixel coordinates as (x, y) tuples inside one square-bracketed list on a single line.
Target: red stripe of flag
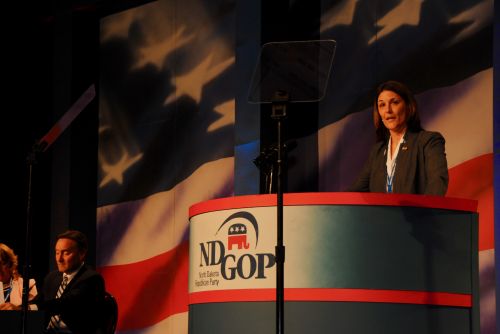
[(473, 179), (151, 290)]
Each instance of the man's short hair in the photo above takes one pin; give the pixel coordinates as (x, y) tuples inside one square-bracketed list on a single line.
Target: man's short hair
[(76, 236)]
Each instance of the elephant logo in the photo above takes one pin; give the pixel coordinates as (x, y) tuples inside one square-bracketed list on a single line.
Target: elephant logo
[(237, 232), (237, 235)]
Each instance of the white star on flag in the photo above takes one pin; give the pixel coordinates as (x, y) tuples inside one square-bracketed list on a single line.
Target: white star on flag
[(191, 84), (340, 14), (114, 172), (406, 13), (226, 110), (478, 17), (155, 54)]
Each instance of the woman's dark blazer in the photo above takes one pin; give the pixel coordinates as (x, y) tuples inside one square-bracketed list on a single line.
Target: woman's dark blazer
[(421, 166)]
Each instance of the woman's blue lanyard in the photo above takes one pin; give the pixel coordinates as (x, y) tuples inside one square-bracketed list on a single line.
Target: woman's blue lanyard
[(7, 292), (390, 178), (390, 175)]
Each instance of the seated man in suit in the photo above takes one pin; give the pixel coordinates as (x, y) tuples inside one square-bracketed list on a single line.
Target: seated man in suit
[(72, 296)]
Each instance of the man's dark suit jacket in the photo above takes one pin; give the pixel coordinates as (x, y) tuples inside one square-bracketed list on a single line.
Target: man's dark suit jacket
[(421, 166), (80, 304)]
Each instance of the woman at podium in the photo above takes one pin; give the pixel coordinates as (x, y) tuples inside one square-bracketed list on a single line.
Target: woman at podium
[(405, 158)]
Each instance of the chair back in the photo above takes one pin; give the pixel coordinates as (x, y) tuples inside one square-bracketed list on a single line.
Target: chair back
[(110, 314)]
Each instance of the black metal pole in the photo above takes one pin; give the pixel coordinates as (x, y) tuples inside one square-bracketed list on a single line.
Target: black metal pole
[(31, 161), (280, 248), (279, 114)]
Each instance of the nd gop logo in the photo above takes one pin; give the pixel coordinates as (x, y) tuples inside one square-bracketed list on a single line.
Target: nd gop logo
[(233, 238)]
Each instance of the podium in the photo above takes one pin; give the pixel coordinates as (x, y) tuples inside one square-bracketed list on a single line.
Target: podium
[(355, 263)]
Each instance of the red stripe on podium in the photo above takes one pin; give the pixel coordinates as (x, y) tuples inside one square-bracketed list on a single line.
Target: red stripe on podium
[(335, 295), (368, 199)]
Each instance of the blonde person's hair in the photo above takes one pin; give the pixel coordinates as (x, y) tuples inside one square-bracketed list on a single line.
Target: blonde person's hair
[(9, 258)]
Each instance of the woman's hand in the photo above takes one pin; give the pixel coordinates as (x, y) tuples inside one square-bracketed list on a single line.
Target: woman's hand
[(9, 307)]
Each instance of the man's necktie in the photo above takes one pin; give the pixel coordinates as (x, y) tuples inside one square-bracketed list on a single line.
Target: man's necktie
[(54, 320)]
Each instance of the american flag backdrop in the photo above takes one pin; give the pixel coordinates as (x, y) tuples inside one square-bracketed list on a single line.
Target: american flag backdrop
[(168, 137), (166, 142)]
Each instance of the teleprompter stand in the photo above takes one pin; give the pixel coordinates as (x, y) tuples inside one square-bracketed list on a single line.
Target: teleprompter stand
[(288, 72), (39, 147)]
